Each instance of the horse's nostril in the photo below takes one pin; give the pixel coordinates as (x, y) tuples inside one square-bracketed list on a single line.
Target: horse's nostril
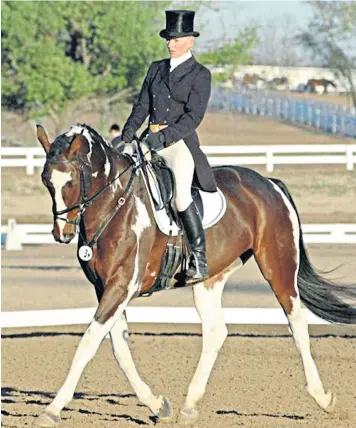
[(67, 238)]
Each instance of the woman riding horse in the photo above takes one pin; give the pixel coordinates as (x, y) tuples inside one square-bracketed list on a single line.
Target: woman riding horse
[(175, 95)]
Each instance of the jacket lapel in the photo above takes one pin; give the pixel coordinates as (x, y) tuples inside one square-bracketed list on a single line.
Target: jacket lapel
[(164, 70), (183, 68)]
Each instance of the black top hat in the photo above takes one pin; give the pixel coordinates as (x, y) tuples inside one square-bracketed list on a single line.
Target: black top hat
[(179, 23)]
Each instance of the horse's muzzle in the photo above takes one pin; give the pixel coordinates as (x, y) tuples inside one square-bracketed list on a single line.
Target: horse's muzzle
[(66, 239), (65, 235)]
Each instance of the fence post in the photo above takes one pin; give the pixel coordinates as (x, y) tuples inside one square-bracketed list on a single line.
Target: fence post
[(13, 238), (30, 169), (349, 158), (269, 156), (333, 124)]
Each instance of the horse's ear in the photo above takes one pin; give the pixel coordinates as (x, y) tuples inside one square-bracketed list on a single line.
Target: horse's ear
[(75, 145), (43, 138)]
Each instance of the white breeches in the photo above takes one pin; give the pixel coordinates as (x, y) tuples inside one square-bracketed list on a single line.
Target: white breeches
[(181, 161)]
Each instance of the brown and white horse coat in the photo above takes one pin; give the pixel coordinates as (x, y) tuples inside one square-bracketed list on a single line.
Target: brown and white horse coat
[(260, 220)]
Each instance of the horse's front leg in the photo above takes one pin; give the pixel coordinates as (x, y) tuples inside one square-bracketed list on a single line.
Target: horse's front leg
[(86, 350), (110, 309), (207, 297), (158, 405)]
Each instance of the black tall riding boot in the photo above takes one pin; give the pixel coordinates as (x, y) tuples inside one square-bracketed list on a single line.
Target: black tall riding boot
[(193, 227)]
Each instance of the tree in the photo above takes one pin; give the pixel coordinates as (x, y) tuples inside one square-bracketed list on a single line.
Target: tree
[(231, 54), (277, 45), (56, 52), (331, 36), (236, 52)]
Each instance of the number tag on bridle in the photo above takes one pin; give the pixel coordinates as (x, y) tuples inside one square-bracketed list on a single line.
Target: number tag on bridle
[(85, 253)]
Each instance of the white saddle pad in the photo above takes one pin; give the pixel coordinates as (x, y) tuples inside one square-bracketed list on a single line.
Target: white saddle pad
[(214, 207)]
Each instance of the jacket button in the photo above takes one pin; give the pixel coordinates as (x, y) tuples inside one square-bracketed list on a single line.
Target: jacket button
[(168, 96), (154, 108), (154, 95), (167, 109)]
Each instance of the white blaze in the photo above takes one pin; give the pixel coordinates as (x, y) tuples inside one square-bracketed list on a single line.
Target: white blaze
[(58, 180)]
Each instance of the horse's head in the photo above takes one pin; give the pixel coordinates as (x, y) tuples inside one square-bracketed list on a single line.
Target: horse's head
[(66, 176)]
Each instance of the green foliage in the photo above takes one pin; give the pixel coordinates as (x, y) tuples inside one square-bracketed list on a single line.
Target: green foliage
[(237, 52), (56, 52), (219, 77)]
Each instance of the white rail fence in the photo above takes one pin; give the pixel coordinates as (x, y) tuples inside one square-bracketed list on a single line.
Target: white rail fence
[(269, 155), (313, 233), (147, 314)]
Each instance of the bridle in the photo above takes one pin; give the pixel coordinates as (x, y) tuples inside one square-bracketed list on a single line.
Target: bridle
[(86, 202)]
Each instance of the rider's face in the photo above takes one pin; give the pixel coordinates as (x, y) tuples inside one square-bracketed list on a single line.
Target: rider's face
[(179, 46)]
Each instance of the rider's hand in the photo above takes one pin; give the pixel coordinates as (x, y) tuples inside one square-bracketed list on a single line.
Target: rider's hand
[(155, 141), (127, 135)]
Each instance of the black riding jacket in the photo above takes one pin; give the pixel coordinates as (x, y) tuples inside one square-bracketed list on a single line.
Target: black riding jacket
[(178, 99)]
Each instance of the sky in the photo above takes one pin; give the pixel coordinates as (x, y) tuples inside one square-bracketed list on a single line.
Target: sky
[(232, 15)]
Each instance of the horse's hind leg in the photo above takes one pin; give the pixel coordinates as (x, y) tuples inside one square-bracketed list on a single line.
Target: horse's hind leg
[(207, 299), (281, 271), (119, 339), (298, 323)]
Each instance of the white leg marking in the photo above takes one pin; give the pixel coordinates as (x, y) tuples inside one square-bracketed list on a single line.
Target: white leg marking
[(87, 349), (96, 332), (119, 336), (299, 327), (208, 304), (58, 180), (298, 321), (85, 352)]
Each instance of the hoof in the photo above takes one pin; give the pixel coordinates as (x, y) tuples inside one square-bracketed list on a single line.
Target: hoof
[(188, 416), (46, 419), (166, 411), (330, 407)]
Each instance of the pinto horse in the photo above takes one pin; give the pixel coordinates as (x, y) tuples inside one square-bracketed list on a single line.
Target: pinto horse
[(102, 193)]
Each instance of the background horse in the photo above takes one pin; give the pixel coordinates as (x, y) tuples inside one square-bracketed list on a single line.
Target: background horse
[(279, 83), (103, 192), (312, 84), (253, 81)]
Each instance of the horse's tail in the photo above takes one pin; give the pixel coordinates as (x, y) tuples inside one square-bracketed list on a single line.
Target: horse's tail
[(330, 82), (324, 298)]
